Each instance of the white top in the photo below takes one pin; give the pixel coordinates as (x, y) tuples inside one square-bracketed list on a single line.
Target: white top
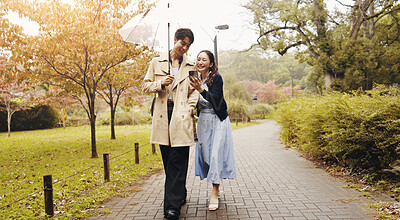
[(174, 73)]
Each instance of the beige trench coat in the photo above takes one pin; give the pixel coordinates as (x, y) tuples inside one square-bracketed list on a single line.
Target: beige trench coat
[(180, 131)]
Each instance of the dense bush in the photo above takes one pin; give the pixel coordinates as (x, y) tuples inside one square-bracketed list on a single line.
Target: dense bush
[(359, 130), (141, 116), (238, 110), (261, 111), (37, 117)]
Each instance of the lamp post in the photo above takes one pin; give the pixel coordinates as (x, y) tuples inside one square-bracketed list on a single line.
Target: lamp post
[(219, 27)]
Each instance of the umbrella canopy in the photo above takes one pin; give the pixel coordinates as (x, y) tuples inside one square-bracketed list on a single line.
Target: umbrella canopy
[(156, 27)]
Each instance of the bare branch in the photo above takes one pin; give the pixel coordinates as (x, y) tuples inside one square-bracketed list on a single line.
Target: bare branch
[(384, 14), (60, 73), (308, 44), (273, 30), (282, 52), (333, 20), (343, 4), (382, 11)]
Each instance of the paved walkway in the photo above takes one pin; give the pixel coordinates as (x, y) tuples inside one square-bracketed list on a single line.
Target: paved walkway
[(272, 183)]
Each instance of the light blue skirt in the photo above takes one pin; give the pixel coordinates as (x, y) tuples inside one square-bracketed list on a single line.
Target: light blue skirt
[(214, 149)]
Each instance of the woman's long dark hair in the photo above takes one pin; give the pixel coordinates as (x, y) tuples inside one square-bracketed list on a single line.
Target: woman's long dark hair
[(213, 68)]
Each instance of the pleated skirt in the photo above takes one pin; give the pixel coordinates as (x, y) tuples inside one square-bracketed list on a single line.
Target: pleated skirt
[(214, 158)]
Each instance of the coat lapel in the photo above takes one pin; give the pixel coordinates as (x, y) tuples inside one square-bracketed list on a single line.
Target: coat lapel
[(164, 63), (182, 74)]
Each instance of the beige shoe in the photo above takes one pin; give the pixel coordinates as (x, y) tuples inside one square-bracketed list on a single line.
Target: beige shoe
[(213, 204)]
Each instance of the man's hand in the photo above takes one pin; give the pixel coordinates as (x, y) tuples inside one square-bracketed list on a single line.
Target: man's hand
[(167, 80)]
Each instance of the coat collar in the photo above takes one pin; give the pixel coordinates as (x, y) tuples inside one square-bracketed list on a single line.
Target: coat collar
[(164, 62), (181, 75)]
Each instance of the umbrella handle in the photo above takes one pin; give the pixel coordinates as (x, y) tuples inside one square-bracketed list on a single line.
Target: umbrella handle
[(169, 55), (169, 38)]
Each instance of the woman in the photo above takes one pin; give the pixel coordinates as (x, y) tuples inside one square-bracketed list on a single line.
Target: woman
[(214, 149)]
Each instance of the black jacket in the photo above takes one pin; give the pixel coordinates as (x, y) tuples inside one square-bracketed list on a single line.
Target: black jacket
[(215, 96)]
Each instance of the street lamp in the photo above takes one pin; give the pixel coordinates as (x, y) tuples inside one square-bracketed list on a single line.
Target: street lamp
[(219, 27)]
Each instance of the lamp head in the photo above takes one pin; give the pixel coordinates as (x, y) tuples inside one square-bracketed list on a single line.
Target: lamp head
[(222, 27)]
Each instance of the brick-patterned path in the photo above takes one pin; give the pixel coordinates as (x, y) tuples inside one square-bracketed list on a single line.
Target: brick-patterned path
[(272, 183)]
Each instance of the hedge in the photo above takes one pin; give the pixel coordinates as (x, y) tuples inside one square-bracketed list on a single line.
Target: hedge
[(360, 129), (37, 117)]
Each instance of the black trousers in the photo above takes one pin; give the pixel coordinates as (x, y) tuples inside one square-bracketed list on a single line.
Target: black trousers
[(175, 160)]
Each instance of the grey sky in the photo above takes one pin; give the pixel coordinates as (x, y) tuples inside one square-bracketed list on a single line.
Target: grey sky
[(208, 13)]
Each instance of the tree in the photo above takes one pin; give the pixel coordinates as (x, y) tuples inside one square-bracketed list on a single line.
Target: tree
[(78, 45), (319, 33), (59, 99), (234, 89), (14, 93), (124, 76), (252, 86), (247, 65), (270, 92), (262, 67)]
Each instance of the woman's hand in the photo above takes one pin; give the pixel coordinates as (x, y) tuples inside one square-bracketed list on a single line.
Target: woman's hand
[(195, 82)]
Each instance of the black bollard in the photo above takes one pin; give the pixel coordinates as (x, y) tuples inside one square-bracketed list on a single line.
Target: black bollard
[(136, 153), (153, 148), (106, 160), (48, 195)]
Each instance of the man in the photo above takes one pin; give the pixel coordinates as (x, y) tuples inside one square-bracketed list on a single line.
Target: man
[(172, 124)]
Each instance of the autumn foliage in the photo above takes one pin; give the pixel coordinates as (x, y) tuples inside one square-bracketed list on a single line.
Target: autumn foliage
[(79, 50), (270, 92), (14, 90)]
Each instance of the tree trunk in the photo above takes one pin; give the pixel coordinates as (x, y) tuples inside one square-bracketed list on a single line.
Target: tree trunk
[(133, 117), (353, 15), (320, 21), (359, 18), (63, 116), (112, 111), (365, 23), (365, 29), (328, 81), (9, 115), (112, 123), (92, 118), (371, 21), (93, 135)]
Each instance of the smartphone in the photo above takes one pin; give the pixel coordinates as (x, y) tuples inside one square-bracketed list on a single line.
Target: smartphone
[(192, 72)]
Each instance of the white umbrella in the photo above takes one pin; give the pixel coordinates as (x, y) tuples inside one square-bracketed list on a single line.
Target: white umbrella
[(156, 27)]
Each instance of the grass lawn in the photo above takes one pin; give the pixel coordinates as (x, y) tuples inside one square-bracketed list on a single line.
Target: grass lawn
[(243, 124), (79, 186)]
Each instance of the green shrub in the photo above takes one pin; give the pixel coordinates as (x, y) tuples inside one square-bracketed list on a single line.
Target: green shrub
[(261, 111), (238, 110), (355, 130), (38, 117), (141, 116), (123, 118)]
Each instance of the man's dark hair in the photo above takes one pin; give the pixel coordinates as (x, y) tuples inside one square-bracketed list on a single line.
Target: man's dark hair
[(182, 33)]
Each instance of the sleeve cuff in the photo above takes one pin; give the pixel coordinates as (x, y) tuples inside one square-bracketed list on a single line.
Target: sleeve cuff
[(159, 86)]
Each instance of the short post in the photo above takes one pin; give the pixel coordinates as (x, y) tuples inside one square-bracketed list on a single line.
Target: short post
[(106, 159), (136, 153), (48, 195), (153, 148)]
